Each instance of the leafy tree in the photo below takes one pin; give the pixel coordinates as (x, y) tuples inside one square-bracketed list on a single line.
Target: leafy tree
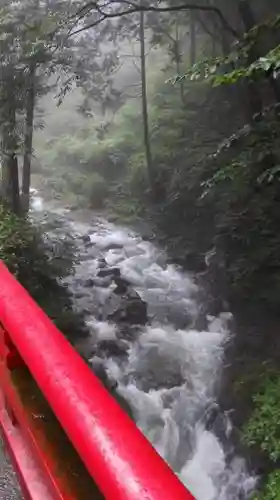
[(22, 52), (36, 44)]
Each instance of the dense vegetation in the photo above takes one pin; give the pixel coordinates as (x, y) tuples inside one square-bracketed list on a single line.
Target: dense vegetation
[(174, 117), (40, 267)]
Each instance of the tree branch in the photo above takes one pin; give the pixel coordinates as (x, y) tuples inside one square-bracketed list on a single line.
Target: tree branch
[(132, 8)]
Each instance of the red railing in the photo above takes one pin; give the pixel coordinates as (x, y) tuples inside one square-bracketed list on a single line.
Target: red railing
[(119, 459)]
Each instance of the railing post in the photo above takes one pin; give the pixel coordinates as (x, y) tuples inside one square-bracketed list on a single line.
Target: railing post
[(13, 358)]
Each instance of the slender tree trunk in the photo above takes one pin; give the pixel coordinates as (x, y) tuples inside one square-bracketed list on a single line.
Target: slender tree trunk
[(145, 105), (178, 59), (225, 42), (28, 140), (10, 178), (178, 71), (214, 47), (15, 199), (193, 46), (275, 87), (10, 182)]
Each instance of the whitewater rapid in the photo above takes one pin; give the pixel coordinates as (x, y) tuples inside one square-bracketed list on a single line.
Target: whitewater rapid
[(171, 368)]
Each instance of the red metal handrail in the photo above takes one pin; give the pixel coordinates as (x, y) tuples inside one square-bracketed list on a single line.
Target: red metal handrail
[(117, 455)]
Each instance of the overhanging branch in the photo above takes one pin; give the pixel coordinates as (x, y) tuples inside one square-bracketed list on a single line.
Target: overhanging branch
[(132, 8)]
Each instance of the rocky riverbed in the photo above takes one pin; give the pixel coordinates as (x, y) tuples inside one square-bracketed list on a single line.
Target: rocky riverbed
[(152, 342)]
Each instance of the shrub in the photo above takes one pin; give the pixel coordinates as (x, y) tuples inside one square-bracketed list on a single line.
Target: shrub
[(271, 490), (137, 177), (263, 430), (263, 427), (39, 267)]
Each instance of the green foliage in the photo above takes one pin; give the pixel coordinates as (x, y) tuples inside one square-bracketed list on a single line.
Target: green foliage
[(217, 70), (271, 490), (243, 188), (27, 255), (246, 59), (263, 427), (39, 267), (263, 430)]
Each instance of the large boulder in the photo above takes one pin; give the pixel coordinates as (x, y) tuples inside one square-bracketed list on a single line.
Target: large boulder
[(132, 309), (157, 369), (86, 238), (125, 305)]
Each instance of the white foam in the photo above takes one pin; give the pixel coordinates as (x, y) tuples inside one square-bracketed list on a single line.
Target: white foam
[(102, 330)]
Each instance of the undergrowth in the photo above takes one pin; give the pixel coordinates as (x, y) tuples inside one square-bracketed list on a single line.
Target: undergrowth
[(263, 430), (39, 267), (271, 490)]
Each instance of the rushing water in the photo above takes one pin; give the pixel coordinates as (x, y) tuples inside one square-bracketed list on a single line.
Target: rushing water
[(168, 370)]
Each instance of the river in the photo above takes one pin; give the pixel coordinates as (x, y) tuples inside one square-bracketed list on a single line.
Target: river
[(169, 369)]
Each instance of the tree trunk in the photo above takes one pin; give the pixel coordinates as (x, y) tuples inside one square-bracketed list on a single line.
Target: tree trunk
[(253, 93), (15, 198), (275, 87), (193, 47), (10, 178), (145, 106), (214, 47), (225, 42), (10, 183), (178, 59), (28, 140)]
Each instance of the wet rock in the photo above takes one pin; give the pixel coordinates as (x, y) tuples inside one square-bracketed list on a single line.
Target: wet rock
[(86, 238), (89, 283), (214, 417), (113, 246), (123, 403), (111, 385), (99, 370), (128, 332), (136, 309), (113, 348), (147, 232), (114, 272), (83, 257), (170, 397), (99, 282), (191, 261), (132, 309), (72, 325), (179, 317), (122, 285), (79, 295), (102, 263), (201, 323), (157, 370)]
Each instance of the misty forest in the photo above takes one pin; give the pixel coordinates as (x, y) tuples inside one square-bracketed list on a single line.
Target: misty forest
[(140, 208)]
